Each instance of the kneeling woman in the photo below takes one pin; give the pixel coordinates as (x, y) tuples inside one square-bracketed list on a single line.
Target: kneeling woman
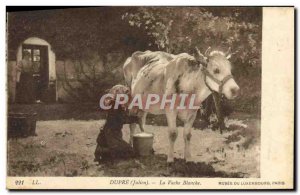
[(110, 144)]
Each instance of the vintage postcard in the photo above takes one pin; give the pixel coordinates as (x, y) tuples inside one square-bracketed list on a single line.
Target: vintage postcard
[(150, 98)]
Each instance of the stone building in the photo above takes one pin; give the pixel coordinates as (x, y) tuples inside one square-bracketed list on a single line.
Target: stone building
[(60, 78)]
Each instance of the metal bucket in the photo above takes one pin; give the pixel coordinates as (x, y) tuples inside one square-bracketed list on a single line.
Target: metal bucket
[(143, 143)]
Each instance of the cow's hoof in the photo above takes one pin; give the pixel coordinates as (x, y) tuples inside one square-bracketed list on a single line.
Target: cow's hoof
[(170, 161), (188, 159), (170, 167)]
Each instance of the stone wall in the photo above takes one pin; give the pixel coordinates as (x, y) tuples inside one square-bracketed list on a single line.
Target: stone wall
[(72, 77)]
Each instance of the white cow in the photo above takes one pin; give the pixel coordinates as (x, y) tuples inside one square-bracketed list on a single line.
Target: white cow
[(163, 73)]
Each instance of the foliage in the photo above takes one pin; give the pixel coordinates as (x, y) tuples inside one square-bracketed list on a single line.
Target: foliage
[(76, 33), (181, 30)]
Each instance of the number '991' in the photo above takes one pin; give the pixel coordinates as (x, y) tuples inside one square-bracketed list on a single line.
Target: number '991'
[(19, 182)]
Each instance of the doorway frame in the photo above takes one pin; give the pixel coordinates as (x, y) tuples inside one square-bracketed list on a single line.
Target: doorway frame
[(44, 71)]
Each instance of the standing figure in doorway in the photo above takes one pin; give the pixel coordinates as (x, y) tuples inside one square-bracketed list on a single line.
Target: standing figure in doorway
[(25, 83)]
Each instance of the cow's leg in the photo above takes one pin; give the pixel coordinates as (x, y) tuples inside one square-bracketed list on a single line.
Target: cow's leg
[(132, 127), (173, 132), (187, 135), (142, 121)]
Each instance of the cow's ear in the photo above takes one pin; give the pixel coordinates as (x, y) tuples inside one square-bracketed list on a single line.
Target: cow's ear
[(228, 56), (193, 64)]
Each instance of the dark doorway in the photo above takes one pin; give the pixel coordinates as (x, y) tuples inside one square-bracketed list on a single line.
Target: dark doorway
[(40, 62)]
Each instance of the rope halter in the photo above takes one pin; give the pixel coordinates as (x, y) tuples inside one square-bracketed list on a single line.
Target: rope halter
[(220, 83)]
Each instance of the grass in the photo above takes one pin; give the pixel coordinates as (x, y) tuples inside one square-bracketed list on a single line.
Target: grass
[(66, 147)]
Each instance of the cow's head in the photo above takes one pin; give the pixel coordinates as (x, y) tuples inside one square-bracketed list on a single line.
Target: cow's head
[(217, 72)]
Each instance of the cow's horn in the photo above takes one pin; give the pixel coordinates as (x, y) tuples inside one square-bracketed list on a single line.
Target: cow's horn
[(202, 58), (229, 53), (207, 50), (198, 51)]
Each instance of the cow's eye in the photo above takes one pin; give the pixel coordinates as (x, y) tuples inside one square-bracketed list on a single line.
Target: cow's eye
[(216, 71)]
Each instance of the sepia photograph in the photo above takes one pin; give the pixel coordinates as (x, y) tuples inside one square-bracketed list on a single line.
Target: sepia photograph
[(137, 92)]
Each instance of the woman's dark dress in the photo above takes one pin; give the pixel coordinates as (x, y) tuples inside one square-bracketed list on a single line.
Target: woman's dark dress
[(110, 144), (25, 87)]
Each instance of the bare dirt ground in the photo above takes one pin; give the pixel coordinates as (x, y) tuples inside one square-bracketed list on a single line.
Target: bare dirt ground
[(66, 148)]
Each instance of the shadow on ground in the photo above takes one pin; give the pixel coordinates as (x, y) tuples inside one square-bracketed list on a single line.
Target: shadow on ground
[(157, 166), (88, 111)]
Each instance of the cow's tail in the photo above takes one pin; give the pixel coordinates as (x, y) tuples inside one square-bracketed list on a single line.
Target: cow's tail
[(127, 72)]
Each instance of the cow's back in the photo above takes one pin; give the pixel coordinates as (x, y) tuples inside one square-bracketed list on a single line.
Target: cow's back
[(140, 59)]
